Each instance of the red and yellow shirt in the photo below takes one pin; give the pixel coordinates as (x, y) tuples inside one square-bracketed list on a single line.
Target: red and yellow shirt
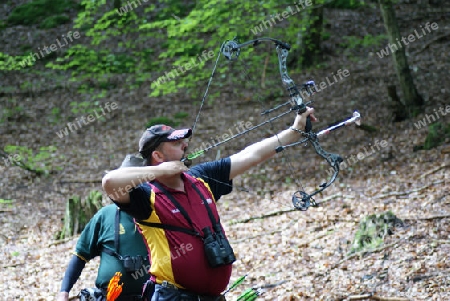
[(178, 257)]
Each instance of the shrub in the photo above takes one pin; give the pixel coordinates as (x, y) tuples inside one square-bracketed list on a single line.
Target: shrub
[(345, 4), (39, 10), (437, 133), (54, 21)]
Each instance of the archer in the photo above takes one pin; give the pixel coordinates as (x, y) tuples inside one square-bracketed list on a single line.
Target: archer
[(176, 206)]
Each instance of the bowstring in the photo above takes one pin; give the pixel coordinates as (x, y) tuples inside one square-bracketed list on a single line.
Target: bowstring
[(207, 89), (197, 117)]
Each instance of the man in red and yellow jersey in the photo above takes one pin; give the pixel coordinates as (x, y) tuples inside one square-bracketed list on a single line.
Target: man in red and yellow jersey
[(176, 208)]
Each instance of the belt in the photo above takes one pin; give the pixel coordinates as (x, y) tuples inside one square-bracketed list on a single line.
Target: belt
[(129, 298), (125, 297), (189, 296)]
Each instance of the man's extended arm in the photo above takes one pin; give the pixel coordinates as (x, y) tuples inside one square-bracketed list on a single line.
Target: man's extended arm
[(265, 149), (73, 272), (119, 182)]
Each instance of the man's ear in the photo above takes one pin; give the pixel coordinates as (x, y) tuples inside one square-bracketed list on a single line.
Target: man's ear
[(157, 156)]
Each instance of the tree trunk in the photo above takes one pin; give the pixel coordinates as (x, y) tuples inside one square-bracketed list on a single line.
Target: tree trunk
[(78, 213), (411, 98), (311, 53)]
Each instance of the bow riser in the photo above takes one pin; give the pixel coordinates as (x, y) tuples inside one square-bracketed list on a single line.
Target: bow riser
[(231, 50)]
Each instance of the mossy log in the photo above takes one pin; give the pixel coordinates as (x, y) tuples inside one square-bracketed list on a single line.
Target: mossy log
[(373, 229)]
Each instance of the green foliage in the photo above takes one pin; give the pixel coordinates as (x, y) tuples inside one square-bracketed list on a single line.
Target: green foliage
[(10, 63), (184, 32), (214, 20), (38, 11), (177, 9), (106, 85), (204, 19), (161, 120), (11, 111), (84, 62), (97, 62), (368, 128), (26, 48), (3, 25), (369, 40), (3, 201), (55, 116), (54, 21), (26, 85), (437, 133), (40, 163), (6, 205), (83, 107), (373, 229), (111, 24), (87, 14), (175, 121), (91, 106), (29, 60), (345, 4), (79, 212), (181, 115)]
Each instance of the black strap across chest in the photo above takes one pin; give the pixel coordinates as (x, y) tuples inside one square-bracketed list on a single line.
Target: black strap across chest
[(183, 212), (116, 239)]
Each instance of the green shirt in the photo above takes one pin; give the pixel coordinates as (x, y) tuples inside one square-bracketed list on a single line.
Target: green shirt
[(99, 232)]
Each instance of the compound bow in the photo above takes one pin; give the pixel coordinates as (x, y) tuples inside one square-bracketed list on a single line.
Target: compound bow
[(231, 50)]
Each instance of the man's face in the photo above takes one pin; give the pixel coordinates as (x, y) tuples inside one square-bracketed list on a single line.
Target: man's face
[(175, 150)]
